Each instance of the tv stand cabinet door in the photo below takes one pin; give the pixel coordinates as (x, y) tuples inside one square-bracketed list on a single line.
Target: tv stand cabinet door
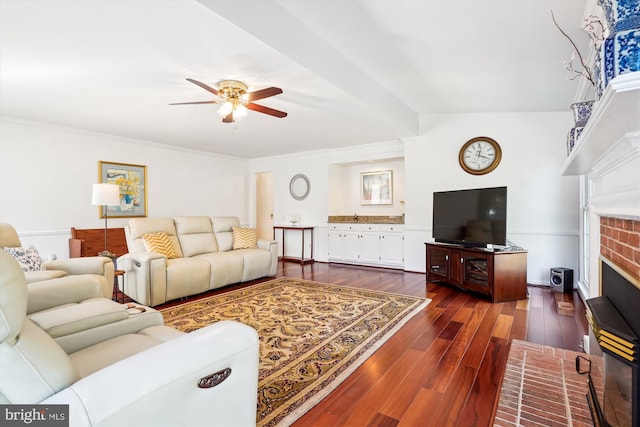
[(437, 263), (455, 267), (477, 272)]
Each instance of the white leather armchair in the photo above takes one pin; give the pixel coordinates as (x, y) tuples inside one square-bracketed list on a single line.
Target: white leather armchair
[(157, 377), (63, 281)]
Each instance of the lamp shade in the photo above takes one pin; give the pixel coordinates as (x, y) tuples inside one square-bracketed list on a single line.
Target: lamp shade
[(105, 194)]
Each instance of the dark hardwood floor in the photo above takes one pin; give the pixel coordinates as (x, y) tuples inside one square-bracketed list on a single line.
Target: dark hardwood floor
[(445, 366)]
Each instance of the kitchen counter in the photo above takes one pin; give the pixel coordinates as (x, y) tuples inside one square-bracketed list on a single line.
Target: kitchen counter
[(367, 219)]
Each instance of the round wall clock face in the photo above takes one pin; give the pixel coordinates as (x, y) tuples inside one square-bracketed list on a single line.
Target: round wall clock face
[(480, 155)]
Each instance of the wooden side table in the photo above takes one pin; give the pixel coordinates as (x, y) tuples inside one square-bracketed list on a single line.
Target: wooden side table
[(116, 288), (302, 229)]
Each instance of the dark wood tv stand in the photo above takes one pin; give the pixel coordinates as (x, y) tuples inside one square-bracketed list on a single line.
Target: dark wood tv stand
[(501, 275)]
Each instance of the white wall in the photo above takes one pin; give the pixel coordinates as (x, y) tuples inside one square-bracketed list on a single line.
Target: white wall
[(334, 191), (47, 172), (345, 189), (543, 206), (46, 175), (313, 210)]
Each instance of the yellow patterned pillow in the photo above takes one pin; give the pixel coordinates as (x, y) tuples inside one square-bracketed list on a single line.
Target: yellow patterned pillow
[(159, 242), (244, 238)]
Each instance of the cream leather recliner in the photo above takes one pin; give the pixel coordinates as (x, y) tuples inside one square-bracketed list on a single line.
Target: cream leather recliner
[(157, 377), (63, 281)]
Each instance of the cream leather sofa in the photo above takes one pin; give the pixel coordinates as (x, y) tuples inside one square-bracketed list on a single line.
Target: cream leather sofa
[(155, 377), (64, 281), (205, 258)]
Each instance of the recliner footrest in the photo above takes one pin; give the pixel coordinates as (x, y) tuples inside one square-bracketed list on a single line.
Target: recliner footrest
[(70, 319)]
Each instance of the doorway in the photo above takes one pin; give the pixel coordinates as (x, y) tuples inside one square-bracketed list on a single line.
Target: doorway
[(264, 205)]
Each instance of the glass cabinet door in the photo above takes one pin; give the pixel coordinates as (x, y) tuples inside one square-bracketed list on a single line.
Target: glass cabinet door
[(476, 272), (438, 260)]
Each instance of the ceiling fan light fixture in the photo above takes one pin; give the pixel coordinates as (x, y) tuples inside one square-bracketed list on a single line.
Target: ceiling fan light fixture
[(240, 112), (234, 94), (225, 109), (236, 101), (227, 87)]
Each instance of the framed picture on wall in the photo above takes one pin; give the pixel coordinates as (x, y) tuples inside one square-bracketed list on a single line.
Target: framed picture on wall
[(132, 181), (376, 188)]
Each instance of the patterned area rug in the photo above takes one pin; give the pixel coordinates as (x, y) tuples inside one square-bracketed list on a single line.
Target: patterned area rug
[(312, 335)]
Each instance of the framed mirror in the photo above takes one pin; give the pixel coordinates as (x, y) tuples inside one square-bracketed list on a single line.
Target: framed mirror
[(299, 186)]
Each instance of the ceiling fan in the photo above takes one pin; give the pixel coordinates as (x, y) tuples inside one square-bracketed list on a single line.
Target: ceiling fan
[(236, 100)]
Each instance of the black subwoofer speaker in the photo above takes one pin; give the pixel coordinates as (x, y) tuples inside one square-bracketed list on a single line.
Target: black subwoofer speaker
[(561, 279)]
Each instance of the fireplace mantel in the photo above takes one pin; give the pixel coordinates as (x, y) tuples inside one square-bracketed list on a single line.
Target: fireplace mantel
[(612, 134), (608, 150), (608, 154)]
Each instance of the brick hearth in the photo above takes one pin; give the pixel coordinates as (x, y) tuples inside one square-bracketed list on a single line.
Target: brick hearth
[(542, 388)]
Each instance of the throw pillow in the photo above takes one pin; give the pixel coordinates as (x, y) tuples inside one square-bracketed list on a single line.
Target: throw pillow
[(244, 238), (28, 258), (159, 242)]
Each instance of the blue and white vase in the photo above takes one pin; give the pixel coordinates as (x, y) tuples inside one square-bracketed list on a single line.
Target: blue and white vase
[(582, 112), (620, 54), (572, 137), (597, 74), (621, 15)]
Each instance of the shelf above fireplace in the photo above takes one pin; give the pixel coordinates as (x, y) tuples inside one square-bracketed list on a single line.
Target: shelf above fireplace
[(613, 131)]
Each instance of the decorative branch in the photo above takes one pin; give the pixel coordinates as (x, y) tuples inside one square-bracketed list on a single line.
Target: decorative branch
[(596, 29), (586, 72)]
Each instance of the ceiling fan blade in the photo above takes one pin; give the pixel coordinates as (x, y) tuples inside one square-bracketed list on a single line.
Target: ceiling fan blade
[(263, 93), (266, 110), (196, 102), (228, 118), (204, 86)]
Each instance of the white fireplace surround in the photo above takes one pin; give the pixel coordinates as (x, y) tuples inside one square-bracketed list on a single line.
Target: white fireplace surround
[(608, 154)]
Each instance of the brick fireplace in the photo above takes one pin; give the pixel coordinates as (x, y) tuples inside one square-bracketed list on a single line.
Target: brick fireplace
[(614, 389), (620, 243), (614, 347), (607, 155)]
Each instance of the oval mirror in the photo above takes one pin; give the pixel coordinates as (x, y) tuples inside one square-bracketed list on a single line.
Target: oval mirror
[(299, 186)]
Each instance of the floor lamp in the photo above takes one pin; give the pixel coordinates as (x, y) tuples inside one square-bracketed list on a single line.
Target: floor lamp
[(105, 195)]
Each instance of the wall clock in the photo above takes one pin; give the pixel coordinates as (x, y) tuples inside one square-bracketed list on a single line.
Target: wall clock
[(480, 155)]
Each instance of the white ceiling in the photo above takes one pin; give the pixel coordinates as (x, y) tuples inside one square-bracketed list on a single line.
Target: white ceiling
[(352, 71)]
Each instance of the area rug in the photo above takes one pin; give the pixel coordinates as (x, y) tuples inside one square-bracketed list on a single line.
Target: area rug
[(541, 387), (312, 335)]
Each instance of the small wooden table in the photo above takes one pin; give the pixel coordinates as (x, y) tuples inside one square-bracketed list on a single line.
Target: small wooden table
[(116, 287), (303, 229)]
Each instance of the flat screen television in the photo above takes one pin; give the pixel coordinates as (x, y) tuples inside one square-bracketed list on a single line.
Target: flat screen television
[(475, 217)]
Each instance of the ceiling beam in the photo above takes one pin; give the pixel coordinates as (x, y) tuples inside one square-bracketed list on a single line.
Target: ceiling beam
[(274, 25)]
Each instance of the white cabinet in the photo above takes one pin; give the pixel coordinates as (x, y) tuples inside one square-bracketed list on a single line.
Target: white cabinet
[(367, 244), (392, 245), (351, 246), (343, 242), (336, 245)]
